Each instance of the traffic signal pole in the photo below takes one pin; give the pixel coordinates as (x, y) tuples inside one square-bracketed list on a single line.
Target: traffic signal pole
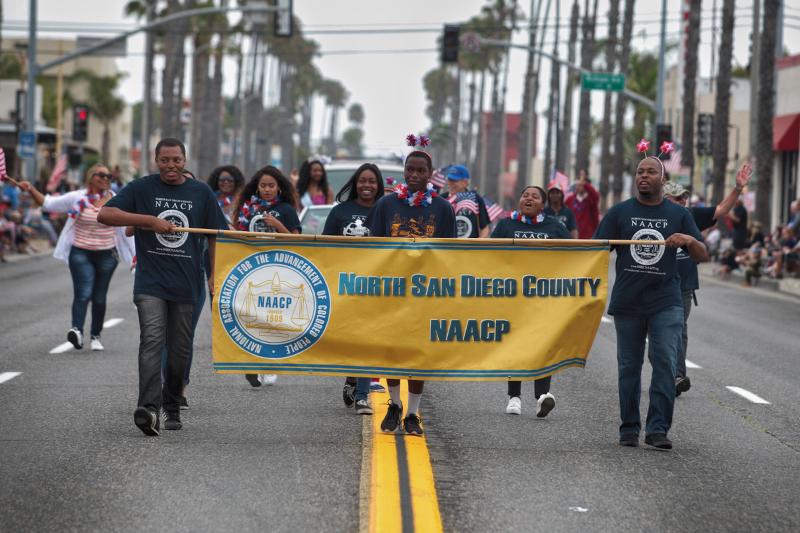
[(34, 69)]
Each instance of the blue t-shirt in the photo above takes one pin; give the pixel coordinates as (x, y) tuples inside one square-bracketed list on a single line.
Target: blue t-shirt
[(283, 211), (348, 218), (468, 223), (549, 228), (564, 215), (687, 268), (647, 275), (393, 217), (169, 265)]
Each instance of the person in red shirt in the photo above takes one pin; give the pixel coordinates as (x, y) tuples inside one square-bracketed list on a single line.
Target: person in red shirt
[(585, 203)]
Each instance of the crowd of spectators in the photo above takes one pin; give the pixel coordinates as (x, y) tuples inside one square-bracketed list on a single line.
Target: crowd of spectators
[(737, 245)]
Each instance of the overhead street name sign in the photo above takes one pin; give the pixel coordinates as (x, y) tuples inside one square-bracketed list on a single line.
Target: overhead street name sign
[(602, 81)]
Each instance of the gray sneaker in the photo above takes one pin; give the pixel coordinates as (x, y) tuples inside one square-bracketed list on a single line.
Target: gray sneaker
[(363, 407)]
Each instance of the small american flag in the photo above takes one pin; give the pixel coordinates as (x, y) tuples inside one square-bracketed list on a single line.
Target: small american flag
[(494, 210), (438, 178), (464, 200), (558, 179), (673, 164), (58, 172), (2, 163)]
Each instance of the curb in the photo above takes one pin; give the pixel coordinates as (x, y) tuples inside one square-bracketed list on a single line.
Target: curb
[(788, 287)]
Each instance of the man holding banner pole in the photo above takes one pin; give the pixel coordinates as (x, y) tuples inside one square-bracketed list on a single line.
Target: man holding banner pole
[(646, 300), (413, 210)]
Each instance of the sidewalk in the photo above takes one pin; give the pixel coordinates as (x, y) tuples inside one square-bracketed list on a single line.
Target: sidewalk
[(41, 245), (789, 286)]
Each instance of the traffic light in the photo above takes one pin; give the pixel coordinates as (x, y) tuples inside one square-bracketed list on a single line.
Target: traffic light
[(450, 43), (663, 134), (705, 123), (80, 122)]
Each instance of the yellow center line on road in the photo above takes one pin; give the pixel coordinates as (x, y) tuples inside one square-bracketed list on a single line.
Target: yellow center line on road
[(397, 477)]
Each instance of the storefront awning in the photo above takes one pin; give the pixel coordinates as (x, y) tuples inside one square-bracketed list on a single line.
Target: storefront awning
[(786, 133)]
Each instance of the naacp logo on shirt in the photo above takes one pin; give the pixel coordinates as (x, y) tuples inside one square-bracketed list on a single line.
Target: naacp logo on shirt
[(178, 219), (530, 235), (274, 304), (258, 223), (647, 254), (463, 225), (357, 228)]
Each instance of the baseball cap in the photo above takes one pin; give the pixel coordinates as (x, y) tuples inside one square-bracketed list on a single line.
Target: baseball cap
[(457, 172), (673, 188)]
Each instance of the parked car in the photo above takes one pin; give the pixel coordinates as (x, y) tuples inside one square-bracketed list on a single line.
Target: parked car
[(341, 171), (312, 218)]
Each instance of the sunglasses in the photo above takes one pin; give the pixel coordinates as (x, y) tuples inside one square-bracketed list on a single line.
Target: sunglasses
[(226, 178), (103, 175)]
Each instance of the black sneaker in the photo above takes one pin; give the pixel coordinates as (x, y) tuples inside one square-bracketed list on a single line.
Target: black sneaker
[(363, 407), (682, 385), (184, 405), (172, 420), (147, 421), (253, 380), (348, 394), (631, 440), (392, 418), (75, 336), (658, 440), (413, 425)]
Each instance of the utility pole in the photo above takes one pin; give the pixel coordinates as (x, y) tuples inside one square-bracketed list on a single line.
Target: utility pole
[(661, 69), (147, 99), (30, 95), (755, 39)]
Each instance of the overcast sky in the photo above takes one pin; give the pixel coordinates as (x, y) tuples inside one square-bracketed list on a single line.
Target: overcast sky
[(390, 86)]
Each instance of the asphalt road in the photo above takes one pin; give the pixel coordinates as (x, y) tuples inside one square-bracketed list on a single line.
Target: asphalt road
[(288, 457)]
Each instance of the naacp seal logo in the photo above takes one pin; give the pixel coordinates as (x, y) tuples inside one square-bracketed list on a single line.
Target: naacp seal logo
[(258, 223), (463, 227), (647, 254), (356, 228), (178, 219), (274, 304)]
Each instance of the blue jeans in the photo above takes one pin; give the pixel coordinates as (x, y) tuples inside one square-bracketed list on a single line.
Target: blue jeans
[(362, 388), (91, 275), (664, 329)]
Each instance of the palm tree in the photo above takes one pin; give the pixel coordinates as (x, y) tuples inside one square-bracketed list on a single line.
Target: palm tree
[(335, 98), (611, 58), (527, 116), (619, 114), (766, 110), (439, 84), (585, 112), (172, 76), (689, 84), (565, 146), (104, 104), (722, 106)]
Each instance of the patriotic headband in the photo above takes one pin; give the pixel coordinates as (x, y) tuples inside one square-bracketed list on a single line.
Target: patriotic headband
[(422, 141), (666, 147)]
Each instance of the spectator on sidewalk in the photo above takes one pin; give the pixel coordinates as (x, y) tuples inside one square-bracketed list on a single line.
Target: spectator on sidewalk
[(585, 204), (739, 219)]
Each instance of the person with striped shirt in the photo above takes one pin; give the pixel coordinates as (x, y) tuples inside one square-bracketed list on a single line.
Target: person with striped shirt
[(91, 249)]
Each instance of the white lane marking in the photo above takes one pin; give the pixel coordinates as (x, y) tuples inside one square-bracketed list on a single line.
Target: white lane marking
[(605, 320), (689, 364), (6, 376), (755, 398), (579, 509), (61, 348), (111, 322)]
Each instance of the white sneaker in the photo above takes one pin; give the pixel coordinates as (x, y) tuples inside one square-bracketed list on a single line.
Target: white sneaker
[(545, 404), (268, 379), (514, 406), (75, 336), (96, 345)]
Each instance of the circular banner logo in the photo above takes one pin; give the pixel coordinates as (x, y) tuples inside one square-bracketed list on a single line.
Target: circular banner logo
[(178, 219), (463, 227), (647, 254), (274, 304)]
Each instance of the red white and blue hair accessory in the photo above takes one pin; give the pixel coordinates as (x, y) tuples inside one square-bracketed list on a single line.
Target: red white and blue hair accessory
[(81, 204), (252, 207), (643, 146), (516, 215), (417, 199), (421, 140)]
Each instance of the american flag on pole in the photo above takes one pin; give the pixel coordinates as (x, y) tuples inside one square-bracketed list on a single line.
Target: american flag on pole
[(464, 200), (558, 179), (438, 178), (58, 172), (2, 164), (494, 210), (673, 164)]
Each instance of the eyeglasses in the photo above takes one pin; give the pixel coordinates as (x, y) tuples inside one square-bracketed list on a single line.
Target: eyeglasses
[(226, 178), (103, 175)]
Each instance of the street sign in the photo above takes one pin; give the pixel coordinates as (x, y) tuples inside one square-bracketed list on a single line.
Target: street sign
[(602, 81), (27, 144)]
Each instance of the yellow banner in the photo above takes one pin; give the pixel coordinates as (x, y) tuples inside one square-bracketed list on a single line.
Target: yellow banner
[(425, 309)]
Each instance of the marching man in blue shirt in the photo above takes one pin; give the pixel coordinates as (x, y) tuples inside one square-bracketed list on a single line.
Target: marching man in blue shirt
[(646, 299)]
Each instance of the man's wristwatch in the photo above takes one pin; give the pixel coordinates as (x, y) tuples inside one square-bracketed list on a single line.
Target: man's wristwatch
[(738, 189)]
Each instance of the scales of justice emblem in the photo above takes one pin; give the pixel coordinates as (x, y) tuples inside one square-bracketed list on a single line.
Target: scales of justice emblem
[(275, 310)]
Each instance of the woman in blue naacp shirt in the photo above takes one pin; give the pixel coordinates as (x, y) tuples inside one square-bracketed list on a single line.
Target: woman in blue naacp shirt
[(267, 204), (349, 218), (530, 222)]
